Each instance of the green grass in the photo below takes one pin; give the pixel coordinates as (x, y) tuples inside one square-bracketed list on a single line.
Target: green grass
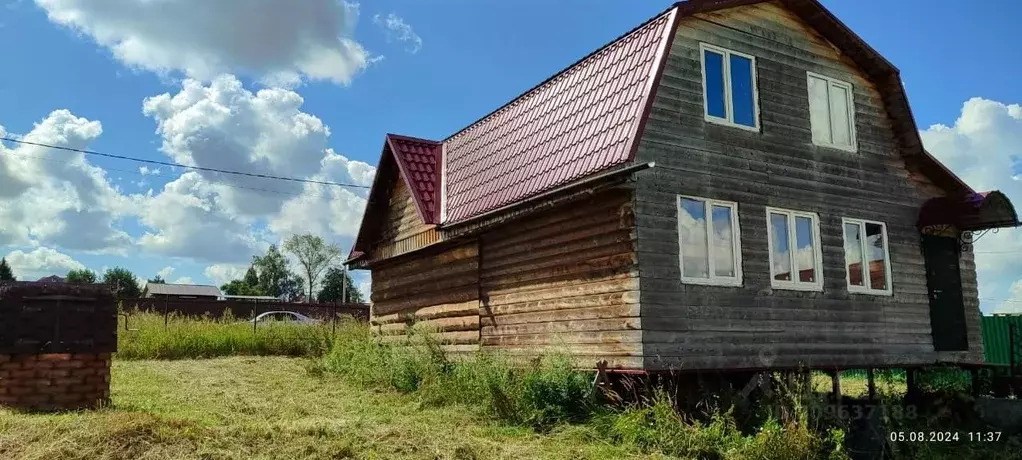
[(272, 408), (185, 338), (547, 393)]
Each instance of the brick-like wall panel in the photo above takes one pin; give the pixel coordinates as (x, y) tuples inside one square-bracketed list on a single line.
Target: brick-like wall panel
[(55, 381)]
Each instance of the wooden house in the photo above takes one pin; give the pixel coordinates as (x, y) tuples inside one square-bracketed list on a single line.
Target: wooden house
[(734, 184)]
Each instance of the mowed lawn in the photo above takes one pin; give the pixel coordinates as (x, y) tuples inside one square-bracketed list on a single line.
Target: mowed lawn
[(271, 407)]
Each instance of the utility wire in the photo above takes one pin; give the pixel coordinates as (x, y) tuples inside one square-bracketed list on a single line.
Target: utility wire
[(154, 176), (178, 165)]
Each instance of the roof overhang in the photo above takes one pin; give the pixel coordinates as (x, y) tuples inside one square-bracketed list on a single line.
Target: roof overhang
[(970, 212)]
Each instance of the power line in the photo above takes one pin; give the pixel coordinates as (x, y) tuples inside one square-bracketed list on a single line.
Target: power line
[(128, 171), (178, 165)]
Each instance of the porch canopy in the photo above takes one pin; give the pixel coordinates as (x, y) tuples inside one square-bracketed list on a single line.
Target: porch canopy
[(971, 212)]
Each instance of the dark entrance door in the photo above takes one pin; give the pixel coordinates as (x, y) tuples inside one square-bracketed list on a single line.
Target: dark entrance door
[(944, 280)]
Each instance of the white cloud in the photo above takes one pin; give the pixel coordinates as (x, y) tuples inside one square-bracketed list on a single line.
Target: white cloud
[(224, 273), (984, 148), (224, 218), (165, 272), (1013, 304), (281, 42), (57, 197), (147, 171), (40, 262), (396, 28)]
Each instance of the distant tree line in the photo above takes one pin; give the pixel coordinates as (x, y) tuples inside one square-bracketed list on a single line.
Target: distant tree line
[(271, 274), (268, 275)]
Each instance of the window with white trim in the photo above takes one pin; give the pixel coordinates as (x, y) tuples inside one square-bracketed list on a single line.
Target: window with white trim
[(867, 262), (831, 112), (709, 242), (793, 239), (729, 87)]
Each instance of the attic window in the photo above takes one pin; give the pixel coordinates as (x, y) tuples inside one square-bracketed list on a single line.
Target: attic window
[(831, 112), (729, 87)]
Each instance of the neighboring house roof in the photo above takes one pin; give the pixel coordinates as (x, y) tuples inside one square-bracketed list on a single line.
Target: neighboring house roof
[(196, 290), (51, 279), (250, 297), (588, 117)]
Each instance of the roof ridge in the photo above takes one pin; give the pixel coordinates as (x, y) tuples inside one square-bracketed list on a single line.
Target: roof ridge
[(553, 77), (413, 138)]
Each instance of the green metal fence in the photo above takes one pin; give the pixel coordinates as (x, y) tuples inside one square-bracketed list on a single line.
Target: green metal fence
[(997, 342)]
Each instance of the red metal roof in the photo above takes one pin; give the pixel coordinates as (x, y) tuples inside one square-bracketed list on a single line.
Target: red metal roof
[(418, 160), (581, 121)]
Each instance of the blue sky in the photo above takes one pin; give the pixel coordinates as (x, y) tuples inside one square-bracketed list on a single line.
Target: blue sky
[(418, 68)]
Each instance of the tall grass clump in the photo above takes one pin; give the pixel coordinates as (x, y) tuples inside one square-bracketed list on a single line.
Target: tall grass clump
[(657, 426), (192, 338), (538, 393)]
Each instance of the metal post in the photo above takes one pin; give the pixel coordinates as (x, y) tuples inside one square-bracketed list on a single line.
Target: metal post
[(166, 314), (254, 313), (872, 384), (333, 318)]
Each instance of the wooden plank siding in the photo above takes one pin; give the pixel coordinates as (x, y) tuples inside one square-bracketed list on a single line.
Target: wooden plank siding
[(755, 326), (565, 281), (402, 230), (436, 289)]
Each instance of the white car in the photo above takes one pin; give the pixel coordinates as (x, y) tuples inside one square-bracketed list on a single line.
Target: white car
[(288, 316)]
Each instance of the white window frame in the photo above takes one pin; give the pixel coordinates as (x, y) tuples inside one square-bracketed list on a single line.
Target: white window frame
[(728, 107), (713, 279), (794, 284), (866, 287), (849, 89)]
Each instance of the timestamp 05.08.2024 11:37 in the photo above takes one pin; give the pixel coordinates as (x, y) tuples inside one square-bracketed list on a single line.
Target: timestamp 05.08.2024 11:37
[(944, 436)]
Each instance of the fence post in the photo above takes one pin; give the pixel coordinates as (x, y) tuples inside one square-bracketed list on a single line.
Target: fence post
[(333, 318), (254, 311), (166, 314)]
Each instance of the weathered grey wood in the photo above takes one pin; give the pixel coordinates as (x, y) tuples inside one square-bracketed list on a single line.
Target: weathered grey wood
[(692, 326)]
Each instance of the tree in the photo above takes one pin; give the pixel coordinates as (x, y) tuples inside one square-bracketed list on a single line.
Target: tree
[(81, 276), (6, 274), (251, 277), (240, 287), (157, 280), (124, 281), (334, 279), (275, 278), (314, 255)]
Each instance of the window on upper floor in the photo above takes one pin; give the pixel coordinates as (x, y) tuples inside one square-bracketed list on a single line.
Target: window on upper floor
[(866, 260), (729, 87), (793, 238), (709, 242), (831, 112)]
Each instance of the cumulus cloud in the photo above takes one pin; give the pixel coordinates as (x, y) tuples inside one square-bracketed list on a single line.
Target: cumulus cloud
[(40, 262), (280, 42), (984, 147), (224, 273), (165, 272), (397, 29), (56, 197), (228, 218)]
